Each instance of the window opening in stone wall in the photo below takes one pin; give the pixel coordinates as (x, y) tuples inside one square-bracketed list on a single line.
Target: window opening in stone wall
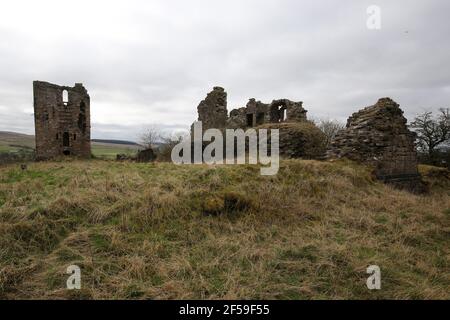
[(65, 97)]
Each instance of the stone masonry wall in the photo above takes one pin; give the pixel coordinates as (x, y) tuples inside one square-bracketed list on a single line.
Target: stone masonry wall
[(378, 135), (213, 110), (62, 127), (213, 113)]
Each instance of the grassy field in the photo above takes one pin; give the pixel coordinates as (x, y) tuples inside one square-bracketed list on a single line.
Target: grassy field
[(98, 150), (109, 151), (8, 148), (160, 231)]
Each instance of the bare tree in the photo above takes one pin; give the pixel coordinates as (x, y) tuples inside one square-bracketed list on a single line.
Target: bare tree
[(330, 128), (432, 131), (150, 137)]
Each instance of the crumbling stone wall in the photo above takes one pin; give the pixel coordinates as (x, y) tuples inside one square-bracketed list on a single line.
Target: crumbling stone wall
[(212, 111), (257, 113), (237, 119), (296, 133), (62, 126), (378, 135), (214, 114)]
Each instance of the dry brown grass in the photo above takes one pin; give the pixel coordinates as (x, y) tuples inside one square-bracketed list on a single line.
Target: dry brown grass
[(160, 231)]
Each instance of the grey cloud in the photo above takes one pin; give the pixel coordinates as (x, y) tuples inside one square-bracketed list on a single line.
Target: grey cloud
[(152, 62)]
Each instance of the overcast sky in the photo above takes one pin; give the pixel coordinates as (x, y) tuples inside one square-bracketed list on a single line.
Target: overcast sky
[(151, 62)]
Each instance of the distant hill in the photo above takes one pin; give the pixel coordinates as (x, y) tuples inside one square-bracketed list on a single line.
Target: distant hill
[(8, 137), (14, 141)]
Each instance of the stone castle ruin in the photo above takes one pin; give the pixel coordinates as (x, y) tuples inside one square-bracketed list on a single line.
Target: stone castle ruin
[(62, 120), (298, 136), (378, 135), (213, 112)]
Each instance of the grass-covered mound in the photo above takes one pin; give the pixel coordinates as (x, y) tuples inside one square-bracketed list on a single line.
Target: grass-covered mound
[(165, 231), (299, 139)]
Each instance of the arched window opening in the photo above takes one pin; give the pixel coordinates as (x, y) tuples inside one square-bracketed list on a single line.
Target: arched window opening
[(65, 97)]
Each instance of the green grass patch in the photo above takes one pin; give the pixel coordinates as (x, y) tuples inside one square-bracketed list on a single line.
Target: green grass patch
[(110, 152)]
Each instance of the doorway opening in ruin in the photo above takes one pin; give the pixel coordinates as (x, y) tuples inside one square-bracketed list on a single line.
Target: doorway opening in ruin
[(66, 140), (65, 97), (250, 120)]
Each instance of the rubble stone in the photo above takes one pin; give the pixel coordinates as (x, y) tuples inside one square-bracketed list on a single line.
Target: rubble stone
[(147, 155)]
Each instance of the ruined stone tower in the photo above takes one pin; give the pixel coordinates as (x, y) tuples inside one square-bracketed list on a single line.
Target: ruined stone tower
[(62, 120)]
